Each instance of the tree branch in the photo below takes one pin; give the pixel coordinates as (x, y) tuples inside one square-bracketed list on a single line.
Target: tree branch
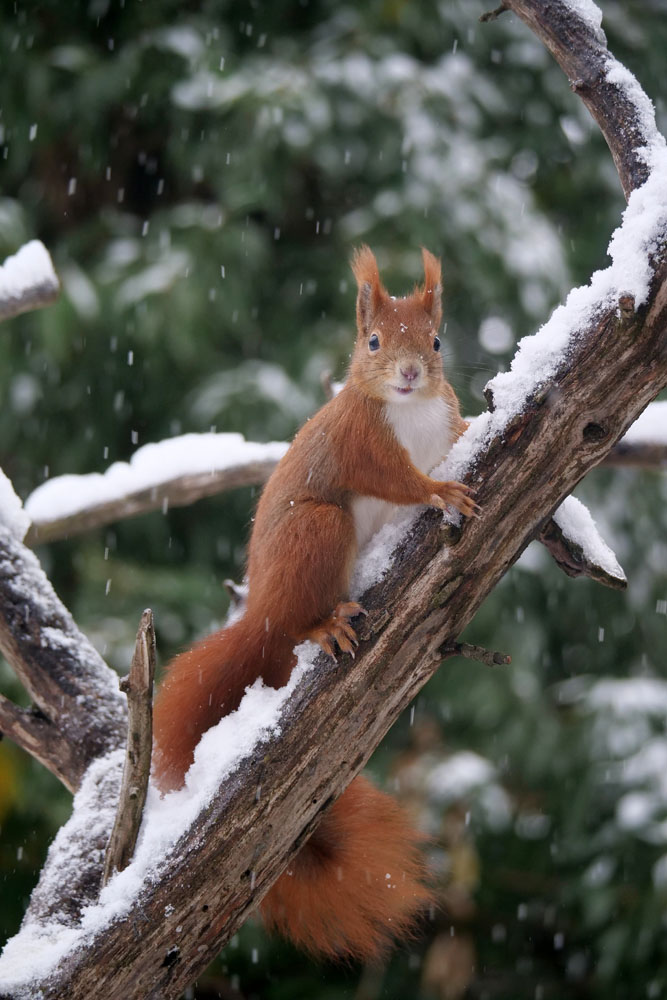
[(122, 491), (573, 540), (626, 119), (138, 686), (76, 692), (33, 732), (469, 652)]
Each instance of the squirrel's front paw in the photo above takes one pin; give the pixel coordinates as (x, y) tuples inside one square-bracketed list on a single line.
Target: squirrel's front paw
[(458, 496), (337, 630)]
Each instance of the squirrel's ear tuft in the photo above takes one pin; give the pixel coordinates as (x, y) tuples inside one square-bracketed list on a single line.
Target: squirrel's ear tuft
[(371, 293), (431, 292)]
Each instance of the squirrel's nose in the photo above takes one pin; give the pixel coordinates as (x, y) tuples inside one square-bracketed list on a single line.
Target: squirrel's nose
[(410, 373)]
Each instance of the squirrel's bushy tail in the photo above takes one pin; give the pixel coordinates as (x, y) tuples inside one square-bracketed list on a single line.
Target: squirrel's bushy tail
[(357, 884)]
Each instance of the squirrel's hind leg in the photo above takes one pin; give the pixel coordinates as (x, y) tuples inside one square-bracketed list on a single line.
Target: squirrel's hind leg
[(304, 575)]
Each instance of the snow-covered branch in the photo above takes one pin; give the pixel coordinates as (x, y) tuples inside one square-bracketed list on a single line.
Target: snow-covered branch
[(81, 713), (572, 31), (572, 538), (572, 392), (172, 473), (27, 281)]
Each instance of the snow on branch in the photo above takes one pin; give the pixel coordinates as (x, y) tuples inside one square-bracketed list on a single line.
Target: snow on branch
[(174, 472), (80, 712), (27, 280), (572, 538)]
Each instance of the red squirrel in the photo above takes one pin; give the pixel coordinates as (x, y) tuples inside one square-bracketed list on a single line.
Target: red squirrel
[(366, 451)]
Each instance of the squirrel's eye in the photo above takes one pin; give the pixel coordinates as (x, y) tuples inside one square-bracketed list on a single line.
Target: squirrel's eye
[(374, 343), (436, 344)]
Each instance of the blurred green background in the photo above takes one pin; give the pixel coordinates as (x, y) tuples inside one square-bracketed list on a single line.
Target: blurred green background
[(200, 172)]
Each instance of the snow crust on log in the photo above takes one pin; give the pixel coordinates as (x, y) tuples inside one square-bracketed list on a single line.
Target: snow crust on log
[(150, 466), (12, 514), (28, 272), (577, 524), (35, 951)]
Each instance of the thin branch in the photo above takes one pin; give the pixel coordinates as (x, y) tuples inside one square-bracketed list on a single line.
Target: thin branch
[(27, 281), (40, 738), (639, 454), (493, 15), (138, 686), (470, 652)]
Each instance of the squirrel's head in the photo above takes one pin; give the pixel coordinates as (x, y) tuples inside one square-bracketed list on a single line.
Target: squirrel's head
[(397, 354)]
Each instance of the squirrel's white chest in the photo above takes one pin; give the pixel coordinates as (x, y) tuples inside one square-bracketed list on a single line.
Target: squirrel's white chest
[(424, 428)]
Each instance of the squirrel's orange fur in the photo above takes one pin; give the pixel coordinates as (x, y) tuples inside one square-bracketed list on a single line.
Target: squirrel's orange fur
[(346, 468)]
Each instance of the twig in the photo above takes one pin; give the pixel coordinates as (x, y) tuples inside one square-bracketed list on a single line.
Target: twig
[(138, 686), (641, 454), (493, 15), (41, 739), (470, 652)]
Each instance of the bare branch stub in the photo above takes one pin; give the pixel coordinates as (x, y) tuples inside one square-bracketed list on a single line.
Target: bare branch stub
[(138, 686), (471, 652), (572, 560), (493, 15)]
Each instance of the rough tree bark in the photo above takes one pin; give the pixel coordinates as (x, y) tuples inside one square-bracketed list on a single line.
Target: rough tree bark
[(222, 866)]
